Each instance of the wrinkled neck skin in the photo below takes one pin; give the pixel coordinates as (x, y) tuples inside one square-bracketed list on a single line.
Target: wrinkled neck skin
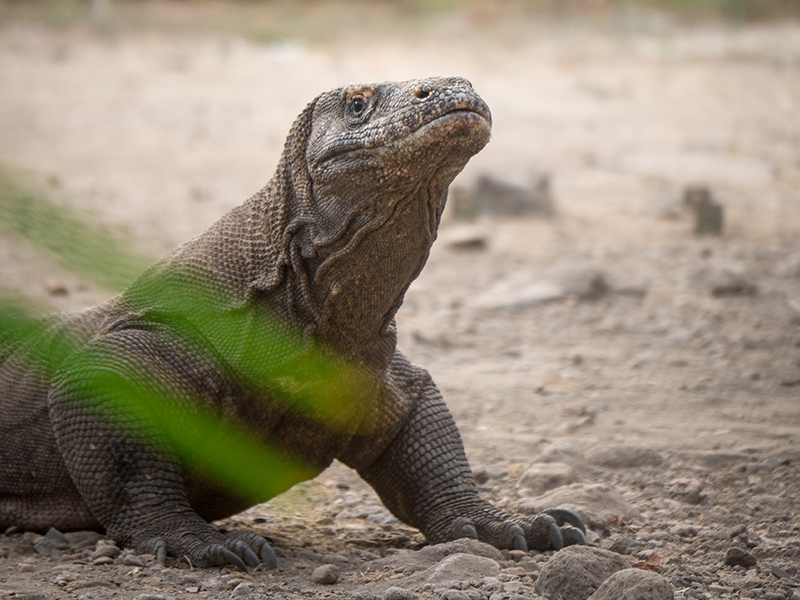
[(356, 203), (351, 274)]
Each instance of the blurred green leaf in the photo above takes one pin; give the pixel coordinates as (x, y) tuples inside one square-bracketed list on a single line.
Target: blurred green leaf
[(90, 249), (262, 353)]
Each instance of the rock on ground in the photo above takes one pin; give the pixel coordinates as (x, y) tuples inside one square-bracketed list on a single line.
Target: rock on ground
[(543, 477), (634, 584), (464, 567), (595, 503), (576, 572), (326, 574), (396, 593), (522, 289), (625, 456)]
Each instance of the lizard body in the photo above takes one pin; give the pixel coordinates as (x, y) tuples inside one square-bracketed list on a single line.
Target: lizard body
[(324, 252)]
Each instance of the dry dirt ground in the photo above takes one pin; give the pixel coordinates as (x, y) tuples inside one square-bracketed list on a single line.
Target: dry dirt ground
[(677, 389)]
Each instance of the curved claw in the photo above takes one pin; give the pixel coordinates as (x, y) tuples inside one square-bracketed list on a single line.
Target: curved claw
[(573, 536), (518, 536), (562, 515), (250, 558), (253, 548), (161, 552), (268, 557), (468, 531), (222, 557), (554, 533)]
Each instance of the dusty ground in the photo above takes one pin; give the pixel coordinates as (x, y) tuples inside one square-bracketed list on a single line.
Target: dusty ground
[(161, 133)]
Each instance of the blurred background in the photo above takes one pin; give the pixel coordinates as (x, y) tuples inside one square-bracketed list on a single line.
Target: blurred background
[(158, 116), (631, 231), (617, 272)]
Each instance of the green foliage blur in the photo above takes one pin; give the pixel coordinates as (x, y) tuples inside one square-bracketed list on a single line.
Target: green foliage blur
[(316, 383)]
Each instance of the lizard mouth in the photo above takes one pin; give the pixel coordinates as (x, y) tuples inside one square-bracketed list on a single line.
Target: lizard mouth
[(458, 122), (463, 120), (457, 130)]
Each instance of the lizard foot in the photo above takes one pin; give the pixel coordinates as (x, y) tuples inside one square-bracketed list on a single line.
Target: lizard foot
[(257, 544), (550, 531), (210, 548)]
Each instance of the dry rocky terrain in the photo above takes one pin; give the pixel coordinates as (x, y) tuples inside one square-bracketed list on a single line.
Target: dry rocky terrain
[(603, 358)]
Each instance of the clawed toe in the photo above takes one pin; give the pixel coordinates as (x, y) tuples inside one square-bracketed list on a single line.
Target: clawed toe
[(268, 557), (221, 557), (554, 533), (519, 542), (253, 548), (562, 516), (160, 551), (250, 558), (573, 536)]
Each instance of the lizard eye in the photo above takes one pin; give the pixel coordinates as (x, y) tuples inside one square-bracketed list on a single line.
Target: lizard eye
[(358, 104)]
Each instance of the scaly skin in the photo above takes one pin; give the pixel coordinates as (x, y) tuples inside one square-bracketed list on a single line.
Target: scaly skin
[(327, 249)]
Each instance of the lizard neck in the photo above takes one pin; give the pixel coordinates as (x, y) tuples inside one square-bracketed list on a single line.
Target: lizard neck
[(360, 287), (349, 283)]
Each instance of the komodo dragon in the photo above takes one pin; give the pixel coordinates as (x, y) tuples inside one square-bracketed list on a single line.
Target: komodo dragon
[(328, 249)]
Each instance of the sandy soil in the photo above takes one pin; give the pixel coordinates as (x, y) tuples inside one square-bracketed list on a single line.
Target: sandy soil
[(160, 134)]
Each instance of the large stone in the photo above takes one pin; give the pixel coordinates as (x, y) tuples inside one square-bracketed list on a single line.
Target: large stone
[(397, 593), (457, 561), (504, 196), (464, 567), (562, 452), (522, 289), (625, 456), (717, 459), (542, 477), (325, 575), (595, 503), (52, 540), (576, 572), (634, 584)]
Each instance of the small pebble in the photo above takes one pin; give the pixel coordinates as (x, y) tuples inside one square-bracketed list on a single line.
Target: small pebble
[(529, 564), (104, 551), (737, 556), (242, 589), (326, 574), (779, 573), (455, 595), (103, 560), (396, 593), (491, 584), (517, 555), (720, 589), (737, 531), (132, 560)]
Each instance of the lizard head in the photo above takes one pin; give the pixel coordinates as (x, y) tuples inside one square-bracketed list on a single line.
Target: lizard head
[(393, 139), (363, 182)]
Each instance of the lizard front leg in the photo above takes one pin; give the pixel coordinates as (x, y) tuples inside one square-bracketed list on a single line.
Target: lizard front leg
[(126, 473), (424, 478)]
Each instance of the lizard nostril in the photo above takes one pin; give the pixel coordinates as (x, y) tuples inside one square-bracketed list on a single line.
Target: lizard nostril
[(422, 93)]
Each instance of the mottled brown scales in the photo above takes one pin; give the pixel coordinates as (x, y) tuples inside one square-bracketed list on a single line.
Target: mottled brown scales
[(325, 253)]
